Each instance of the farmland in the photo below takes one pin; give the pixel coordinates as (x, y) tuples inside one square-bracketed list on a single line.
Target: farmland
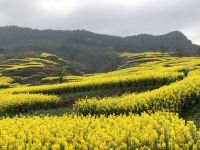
[(145, 103)]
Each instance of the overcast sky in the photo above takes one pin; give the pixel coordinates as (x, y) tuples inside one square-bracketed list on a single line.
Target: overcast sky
[(115, 17)]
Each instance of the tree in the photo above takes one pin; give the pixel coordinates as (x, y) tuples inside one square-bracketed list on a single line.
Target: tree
[(57, 71), (61, 71), (163, 49)]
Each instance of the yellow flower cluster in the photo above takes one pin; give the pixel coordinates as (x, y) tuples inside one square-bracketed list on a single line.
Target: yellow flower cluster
[(98, 82), (176, 97), (5, 81), (12, 103), (157, 131)]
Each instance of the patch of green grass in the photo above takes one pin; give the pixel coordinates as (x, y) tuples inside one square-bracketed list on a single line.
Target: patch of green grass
[(65, 79), (50, 112), (193, 115)]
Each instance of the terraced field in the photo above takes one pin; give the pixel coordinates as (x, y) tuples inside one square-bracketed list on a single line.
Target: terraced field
[(30, 69), (141, 105)]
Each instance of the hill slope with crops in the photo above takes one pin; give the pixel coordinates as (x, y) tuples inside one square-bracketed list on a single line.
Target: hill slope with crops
[(150, 101), (30, 68)]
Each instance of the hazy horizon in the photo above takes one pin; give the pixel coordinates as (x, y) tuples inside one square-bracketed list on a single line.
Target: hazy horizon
[(42, 29), (113, 17)]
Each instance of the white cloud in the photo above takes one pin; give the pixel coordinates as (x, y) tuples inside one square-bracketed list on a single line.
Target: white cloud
[(192, 32), (57, 7)]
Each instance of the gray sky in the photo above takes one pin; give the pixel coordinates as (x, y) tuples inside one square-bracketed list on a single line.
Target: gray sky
[(115, 17)]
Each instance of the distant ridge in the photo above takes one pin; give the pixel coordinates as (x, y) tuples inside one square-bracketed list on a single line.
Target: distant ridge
[(27, 39), (89, 51)]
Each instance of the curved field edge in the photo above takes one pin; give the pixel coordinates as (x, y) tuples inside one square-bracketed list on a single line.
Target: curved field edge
[(145, 79), (177, 97)]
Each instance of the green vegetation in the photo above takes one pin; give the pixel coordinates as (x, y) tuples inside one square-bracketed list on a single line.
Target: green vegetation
[(44, 55), (140, 79), (23, 66), (178, 97), (133, 107), (89, 52), (193, 115), (32, 68), (57, 111), (15, 103), (65, 79), (5, 82), (156, 131)]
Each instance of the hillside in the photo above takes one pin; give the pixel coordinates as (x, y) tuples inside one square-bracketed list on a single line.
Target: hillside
[(31, 68), (81, 90), (27, 39), (86, 51), (150, 98)]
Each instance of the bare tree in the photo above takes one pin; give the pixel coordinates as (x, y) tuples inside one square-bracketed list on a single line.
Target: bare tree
[(61, 71), (58, 71)]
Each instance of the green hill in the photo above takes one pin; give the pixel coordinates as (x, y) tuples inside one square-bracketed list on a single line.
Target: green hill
[(31, 68), (148, 100), (89, 52)]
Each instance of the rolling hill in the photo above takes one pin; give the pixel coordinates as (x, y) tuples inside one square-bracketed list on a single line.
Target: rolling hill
[(149, 102), (86, 51), (31, 68)]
